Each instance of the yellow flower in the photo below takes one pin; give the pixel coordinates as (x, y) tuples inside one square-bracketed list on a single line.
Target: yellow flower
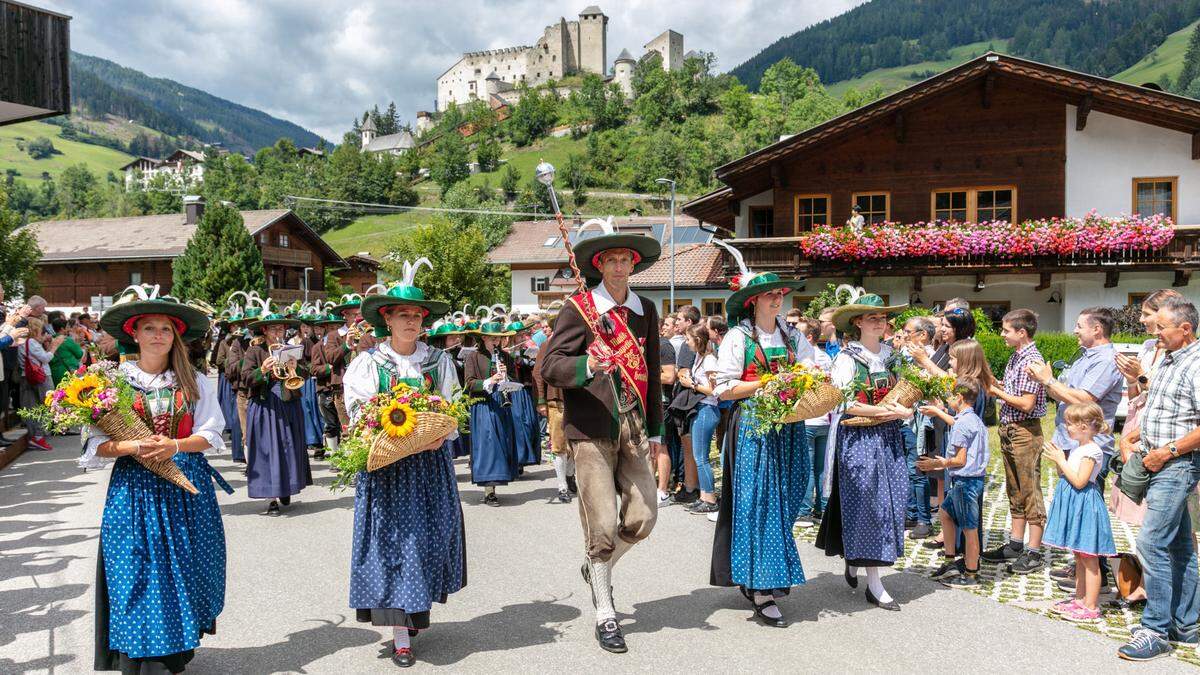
[(49, 398), (397, 419), (766, 378), (81, 392)]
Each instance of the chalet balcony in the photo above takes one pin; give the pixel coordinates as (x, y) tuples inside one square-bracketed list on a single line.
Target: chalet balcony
[(783, 255), (286, 296), (290, 257)]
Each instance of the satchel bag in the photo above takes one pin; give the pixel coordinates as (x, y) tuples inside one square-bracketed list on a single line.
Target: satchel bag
[(34, 374)]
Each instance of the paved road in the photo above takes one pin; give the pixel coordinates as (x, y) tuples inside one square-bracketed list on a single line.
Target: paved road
[(525, 608)]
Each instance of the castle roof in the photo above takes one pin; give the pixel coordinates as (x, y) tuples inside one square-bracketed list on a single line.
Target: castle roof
[(492, 76), (591, 9), (624, 56)]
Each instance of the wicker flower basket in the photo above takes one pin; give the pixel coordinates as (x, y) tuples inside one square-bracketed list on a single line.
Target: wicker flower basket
[(815, 402), (903, 394), (386, 449), (119, 429)]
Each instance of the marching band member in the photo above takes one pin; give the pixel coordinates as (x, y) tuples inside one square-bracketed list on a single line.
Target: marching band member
[(493, 448), (408, 549), (277, 465)]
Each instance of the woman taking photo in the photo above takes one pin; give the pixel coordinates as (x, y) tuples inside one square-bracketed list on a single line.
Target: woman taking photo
[(753, 547), (408, 550), (160, 575), (34, 359), (700, 377), (276, 456), (864, 519)]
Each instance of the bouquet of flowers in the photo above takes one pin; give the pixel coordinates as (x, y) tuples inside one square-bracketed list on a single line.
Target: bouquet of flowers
[(102, 396), (393, 425), (913, 386), (795, 392)]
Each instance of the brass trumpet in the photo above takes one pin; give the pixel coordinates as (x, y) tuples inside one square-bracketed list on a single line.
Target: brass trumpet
[(355, 333), (290, 378)]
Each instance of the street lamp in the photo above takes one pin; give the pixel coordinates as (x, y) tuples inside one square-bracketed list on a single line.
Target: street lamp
[(668, 181), (306, 269)]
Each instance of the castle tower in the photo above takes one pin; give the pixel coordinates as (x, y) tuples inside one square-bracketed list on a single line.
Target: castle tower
[(593, 41), (368, 131), (623, 72)]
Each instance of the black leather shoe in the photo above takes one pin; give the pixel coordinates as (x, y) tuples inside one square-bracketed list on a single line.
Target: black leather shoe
[(403, 657), (563, 497), (890, 605), (273, 508), (608, 634), (491, 500), (572, 485), (851, 579), (769, 620)]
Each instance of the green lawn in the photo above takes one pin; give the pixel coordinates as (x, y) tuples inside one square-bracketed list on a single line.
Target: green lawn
[(895, 79), (553, 150), (99, 159), (372, 233), (1167, 59)]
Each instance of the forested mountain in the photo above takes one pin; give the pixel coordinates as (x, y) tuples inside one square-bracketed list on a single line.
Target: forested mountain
[(1095, 36), (100, 87)]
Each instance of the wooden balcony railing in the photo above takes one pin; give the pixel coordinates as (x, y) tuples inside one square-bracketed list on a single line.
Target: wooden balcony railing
[(290, 295), (292, 257), (783, 255)]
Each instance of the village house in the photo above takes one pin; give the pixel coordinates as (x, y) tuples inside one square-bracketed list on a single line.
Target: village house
[(541, 274), (91, 258), (361, 272), (182, 170), (997, 138)]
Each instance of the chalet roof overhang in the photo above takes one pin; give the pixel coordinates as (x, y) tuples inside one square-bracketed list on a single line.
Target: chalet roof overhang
[(329, 256), (763, 169)]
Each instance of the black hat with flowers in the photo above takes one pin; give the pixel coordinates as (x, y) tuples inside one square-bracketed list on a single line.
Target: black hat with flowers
[(747, 285), (402, 294), (120, 320), (646, 250)]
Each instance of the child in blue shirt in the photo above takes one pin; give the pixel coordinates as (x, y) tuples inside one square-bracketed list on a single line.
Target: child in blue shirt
[(965, 467)]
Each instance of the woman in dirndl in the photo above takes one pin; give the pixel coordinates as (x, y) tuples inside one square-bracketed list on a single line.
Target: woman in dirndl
[(277, 458), (868, 498), (225, 393), (409, 546), (527, 436), (314, 426), (160, 574), (764, 473), (493, 445), (447, 336)]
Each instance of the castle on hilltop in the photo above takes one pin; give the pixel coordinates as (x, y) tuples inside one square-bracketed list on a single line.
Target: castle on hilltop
[(565, 48)]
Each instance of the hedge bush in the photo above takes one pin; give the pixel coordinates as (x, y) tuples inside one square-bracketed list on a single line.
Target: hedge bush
[(1054, 347)]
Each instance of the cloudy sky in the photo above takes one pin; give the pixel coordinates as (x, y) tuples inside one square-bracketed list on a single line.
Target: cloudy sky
[(321, 62)]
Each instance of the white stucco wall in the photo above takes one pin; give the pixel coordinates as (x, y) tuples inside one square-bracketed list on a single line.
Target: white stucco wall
[(741, 222), (523, 299), (1104, 158), (1087, 290)]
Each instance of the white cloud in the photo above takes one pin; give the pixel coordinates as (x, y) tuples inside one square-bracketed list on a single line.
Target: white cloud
[(320, 64)]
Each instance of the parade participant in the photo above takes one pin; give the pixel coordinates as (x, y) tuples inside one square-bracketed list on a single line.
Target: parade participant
[(314, 424), (225, 393), (356, 337), (753, 547), (160, 575), (234, 357), (493, 446), (864, 519), (408, 549), (604, 357), (550, 406), (277, 463), (527, 437), (327, 364)]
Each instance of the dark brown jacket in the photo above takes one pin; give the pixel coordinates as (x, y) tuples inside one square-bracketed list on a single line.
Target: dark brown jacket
[(258, 383), (477, 367), (545, 392), (334, 353), (233, 362), (564, 366)]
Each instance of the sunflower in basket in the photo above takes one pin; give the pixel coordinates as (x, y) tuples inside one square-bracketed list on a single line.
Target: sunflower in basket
[(82, 391), (397, 419)]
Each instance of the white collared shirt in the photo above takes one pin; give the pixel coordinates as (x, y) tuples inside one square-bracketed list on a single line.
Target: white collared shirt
[(604, 300)]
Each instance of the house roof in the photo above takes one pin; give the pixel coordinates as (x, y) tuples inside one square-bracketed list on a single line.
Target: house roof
[(148, 237), (398, 141), (139, 160), (364, 260), (185, 154), (624, 56), (696, 266), (539, 241), (1117, 98)]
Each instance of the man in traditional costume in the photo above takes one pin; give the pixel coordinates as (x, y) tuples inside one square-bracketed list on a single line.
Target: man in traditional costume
[(604, 358)]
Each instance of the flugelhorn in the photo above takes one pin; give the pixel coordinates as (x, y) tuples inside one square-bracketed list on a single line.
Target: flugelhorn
[(290, 378)]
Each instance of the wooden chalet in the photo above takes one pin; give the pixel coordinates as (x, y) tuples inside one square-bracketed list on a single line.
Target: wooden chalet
[(996, 138), (361, 272), (85, 258), (35, 47)]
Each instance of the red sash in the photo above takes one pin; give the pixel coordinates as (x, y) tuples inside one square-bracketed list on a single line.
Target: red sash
[(627, 351)]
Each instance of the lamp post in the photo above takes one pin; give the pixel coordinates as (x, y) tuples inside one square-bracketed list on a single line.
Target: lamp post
[(668, 181), (306, 269)]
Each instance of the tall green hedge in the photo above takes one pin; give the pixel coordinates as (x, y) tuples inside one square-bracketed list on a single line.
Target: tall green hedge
[(1053, 346)]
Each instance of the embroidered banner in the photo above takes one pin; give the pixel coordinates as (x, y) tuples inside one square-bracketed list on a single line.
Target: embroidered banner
[(626, 349)]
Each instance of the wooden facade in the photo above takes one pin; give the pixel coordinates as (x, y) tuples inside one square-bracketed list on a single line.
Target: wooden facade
[(362, 272), (35, 47), (74, 284)]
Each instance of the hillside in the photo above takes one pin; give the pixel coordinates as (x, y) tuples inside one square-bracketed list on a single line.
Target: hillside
[(99, 159), (1166, 59), (899, 77), (100, 88), (1104, 38)]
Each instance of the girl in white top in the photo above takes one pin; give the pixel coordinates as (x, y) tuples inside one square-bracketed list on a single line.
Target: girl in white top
[(700, 377)]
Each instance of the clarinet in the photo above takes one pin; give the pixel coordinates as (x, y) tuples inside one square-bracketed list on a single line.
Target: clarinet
[(505, 397)]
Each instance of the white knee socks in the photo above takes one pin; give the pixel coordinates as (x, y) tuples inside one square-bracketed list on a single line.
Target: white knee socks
[(400, 636), (876, 585), (601, 573), (563, 466)]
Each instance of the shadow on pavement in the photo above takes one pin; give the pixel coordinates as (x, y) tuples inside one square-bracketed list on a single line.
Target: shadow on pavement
[(291, 655), (33, 610), (471, 498), (511, 627)]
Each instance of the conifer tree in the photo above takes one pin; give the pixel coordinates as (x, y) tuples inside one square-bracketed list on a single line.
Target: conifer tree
[(220, 258)]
